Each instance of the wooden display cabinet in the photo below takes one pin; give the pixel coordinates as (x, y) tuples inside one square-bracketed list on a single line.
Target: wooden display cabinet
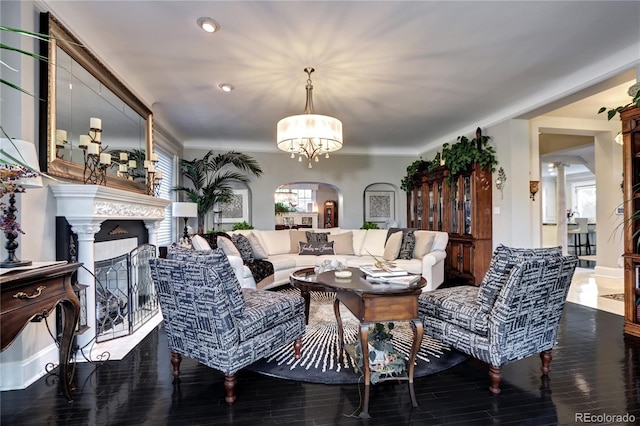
[(330, 217), (631, 165), (461, 208)]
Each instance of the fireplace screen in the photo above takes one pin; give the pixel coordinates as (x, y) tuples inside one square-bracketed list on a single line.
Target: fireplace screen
[(125, 295)]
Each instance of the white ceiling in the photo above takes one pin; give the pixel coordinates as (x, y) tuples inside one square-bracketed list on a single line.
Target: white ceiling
[(403, 76)]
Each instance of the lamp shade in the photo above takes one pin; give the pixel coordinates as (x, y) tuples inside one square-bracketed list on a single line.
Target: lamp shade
[(323, 131), (184, 210), (19, 163)]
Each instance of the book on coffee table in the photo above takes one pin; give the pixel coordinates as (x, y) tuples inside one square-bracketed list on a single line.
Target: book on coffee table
[(375, 272), (403, 280)]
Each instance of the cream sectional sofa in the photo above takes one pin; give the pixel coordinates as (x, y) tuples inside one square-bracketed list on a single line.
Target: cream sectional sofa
[(428, 259)]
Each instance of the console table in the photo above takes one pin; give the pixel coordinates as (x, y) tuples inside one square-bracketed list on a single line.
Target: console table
[(33, 293)]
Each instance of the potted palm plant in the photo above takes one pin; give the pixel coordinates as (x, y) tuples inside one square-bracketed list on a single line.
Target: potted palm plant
[(212, 178)]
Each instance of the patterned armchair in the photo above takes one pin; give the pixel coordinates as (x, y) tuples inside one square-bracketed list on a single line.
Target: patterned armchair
[(513, 314), (209, 318)]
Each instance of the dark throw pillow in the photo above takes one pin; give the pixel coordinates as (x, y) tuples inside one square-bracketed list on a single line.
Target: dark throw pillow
[(316, 249), (407, 245), (317, 237), (244, 247)]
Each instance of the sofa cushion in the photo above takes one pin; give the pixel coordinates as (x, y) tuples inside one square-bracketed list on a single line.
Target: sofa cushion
[(217, 259), (394, 230), (392, 247), (244, 247), (456, 305), (316, 248), (424, 242), (266, 309), (199, 243), (276, 242), (227, 246), (342, 243), (297, 237), (317, 237), (259, 253), (374, 242), (503, 260)]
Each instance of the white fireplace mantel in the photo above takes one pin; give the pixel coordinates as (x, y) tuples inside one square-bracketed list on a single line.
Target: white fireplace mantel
[(85, 207)]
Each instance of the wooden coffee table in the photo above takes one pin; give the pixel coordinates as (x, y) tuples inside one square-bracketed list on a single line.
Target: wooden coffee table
[(372, 303), (306, 280)]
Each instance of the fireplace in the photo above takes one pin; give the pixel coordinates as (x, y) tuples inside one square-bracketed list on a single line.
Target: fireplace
[(96, 215)]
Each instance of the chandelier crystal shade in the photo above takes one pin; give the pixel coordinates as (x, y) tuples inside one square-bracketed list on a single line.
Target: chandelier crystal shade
[(309, 135)]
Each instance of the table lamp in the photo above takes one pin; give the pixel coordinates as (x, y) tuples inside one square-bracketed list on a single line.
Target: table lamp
[(184, 210), (18, 170)]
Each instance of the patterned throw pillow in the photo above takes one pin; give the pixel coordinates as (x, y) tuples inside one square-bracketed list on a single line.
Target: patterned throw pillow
[(316, 249), (244, 247), (219, 262), (503, 260), (317, 237), (407, 245)]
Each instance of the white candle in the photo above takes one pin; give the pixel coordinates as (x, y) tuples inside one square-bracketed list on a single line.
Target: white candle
[(122, 168), (105, 158), (95, 123), (158, 175), (93, 148), (147, 163), (151, 168), (132, 164), (61, 136), (124, 156), (154, 157), (85, 140)]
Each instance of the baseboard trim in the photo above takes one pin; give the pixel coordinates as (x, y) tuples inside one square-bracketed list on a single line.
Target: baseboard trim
[(608, 272), (19, 374)]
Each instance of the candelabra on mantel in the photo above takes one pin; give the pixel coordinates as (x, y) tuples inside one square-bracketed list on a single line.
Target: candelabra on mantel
[(153, 177), (96, 161)]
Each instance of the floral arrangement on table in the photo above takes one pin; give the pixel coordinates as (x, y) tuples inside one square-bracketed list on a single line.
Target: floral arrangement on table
[(384, 360)]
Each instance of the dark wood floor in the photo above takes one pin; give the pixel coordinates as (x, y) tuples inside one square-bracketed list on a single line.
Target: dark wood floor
[(595, 370)]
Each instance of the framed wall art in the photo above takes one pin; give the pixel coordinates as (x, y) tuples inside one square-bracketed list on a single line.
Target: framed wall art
[(237, 208), (379, 206)]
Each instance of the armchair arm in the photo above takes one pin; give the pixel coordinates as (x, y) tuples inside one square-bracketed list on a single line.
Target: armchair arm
[(433, 269)]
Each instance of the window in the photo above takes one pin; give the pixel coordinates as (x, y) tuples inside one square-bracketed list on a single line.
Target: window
[(585, 200), (165, 165), (306, 200)]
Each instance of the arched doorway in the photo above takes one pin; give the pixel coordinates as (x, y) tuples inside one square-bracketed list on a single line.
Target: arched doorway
[(302, 205)]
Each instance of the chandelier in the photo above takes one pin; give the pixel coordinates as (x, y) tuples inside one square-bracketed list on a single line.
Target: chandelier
[(309, 135)]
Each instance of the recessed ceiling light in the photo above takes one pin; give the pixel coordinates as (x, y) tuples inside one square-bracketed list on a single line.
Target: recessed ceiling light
[(225, 87), (208, 24)]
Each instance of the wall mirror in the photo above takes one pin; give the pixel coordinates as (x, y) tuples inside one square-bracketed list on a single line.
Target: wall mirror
[(77, 88)]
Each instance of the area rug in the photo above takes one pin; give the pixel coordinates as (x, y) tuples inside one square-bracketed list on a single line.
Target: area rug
[(616, 296), (319, 361)]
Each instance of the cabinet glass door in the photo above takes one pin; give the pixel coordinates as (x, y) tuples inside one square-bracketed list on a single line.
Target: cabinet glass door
[(432, 208), (439, 206), (454, 208), (466, 200)]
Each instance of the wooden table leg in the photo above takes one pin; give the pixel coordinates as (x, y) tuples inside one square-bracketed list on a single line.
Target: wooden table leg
[(364, 344), (304, 292), (418, 330), (71, 312), (336, 310)]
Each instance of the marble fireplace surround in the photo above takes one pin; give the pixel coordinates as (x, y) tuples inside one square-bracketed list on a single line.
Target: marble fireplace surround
[(86, 207)]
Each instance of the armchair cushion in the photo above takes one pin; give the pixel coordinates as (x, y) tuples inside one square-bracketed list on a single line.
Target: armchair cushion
[(456, 305), (503, 260), (265, 309), (219, 262)]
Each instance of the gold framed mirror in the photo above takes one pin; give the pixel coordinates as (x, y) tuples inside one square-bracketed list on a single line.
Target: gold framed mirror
[(77, 89)]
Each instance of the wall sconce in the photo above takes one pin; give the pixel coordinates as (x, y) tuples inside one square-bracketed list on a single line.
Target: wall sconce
[(502, 178), (534, 186)]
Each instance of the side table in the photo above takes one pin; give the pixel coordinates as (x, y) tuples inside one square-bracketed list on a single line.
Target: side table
[(371, 303), (27, 294)]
